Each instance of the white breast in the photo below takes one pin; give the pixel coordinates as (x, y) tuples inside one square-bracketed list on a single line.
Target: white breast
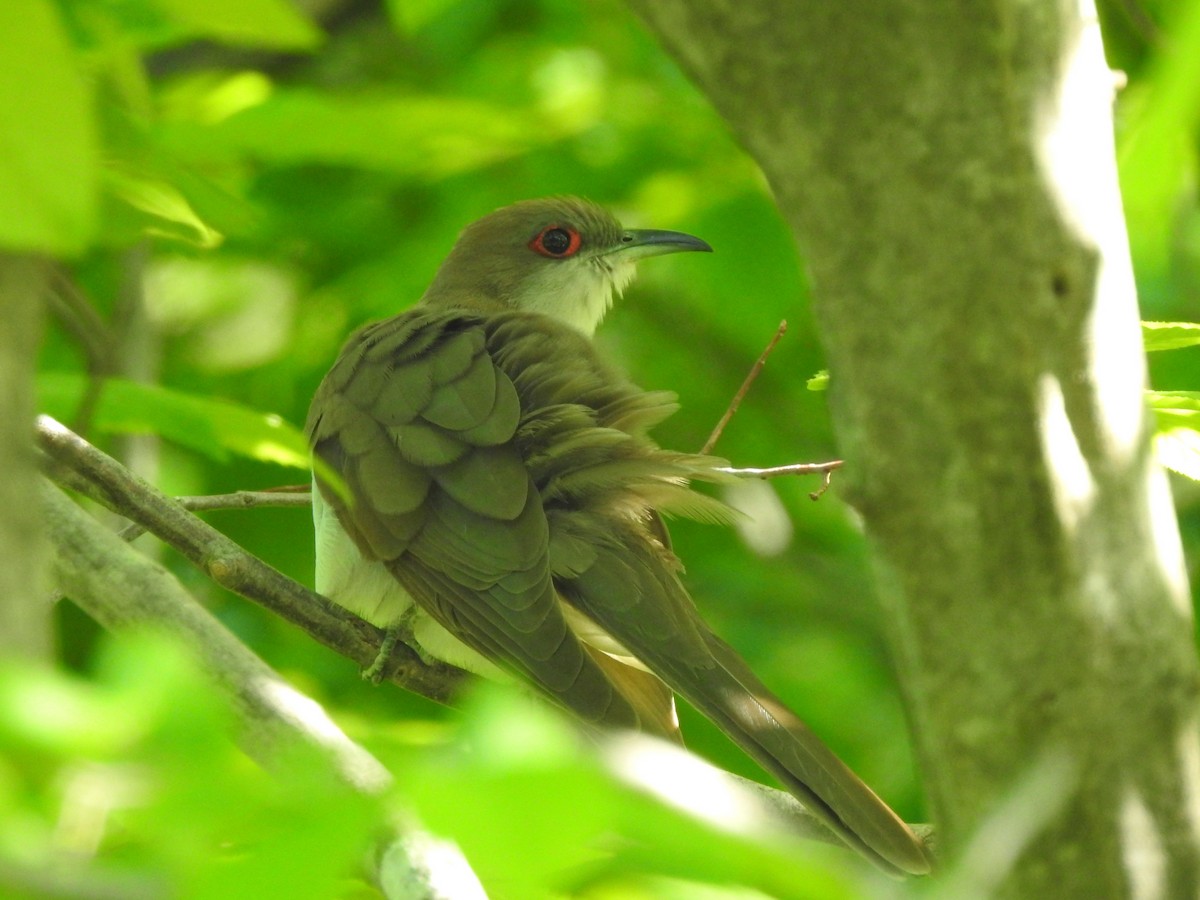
[(367, 589)]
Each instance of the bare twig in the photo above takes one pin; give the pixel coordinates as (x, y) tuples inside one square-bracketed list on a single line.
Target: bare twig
[(779, 471), (744, 389), (826, 469), (246, 500), (284, 497), (233, 568), (79, 316)]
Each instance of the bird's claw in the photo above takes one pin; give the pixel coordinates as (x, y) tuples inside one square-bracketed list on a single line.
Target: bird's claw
[(377, 670)]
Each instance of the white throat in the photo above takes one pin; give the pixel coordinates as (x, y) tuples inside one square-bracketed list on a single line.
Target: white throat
[(580, 294)]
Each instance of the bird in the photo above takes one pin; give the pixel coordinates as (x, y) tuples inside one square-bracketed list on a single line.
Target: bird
[(491, 492)]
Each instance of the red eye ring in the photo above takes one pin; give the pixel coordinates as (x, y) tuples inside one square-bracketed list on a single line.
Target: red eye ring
[(556, 241)]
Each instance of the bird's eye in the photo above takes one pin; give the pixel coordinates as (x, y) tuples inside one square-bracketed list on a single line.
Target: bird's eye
[(556, 241)]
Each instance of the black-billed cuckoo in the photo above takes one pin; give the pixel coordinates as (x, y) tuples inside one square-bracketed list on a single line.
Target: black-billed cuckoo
[(501, 502)]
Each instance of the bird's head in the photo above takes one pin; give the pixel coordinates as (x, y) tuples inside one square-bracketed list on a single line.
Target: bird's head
[(560, 256)]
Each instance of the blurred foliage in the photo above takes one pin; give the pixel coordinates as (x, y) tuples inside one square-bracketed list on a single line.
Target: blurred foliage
[(239, 184)]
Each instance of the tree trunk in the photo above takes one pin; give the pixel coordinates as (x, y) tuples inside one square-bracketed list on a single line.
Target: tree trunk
[(948, 169)]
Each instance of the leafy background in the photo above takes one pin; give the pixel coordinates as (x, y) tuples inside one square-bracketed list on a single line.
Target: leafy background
[(234, 186)]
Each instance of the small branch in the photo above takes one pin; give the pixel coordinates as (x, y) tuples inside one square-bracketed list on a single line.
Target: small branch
[(284, 498), (229, 565), (744, 389), (246, 500), (825, 468)]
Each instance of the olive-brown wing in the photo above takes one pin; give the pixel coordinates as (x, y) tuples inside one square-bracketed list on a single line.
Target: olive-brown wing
[(418, 422)]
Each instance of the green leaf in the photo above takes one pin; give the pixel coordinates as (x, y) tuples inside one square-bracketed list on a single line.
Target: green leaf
[(1176, 402), (263, 23), (1170, 335), (1179, 450), (1177, 430), (820, 381), (145, 739), (170, 214), (215, 428), (48, 147)]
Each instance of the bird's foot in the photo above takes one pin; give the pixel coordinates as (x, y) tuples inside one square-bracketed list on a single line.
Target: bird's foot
[(377, 671)]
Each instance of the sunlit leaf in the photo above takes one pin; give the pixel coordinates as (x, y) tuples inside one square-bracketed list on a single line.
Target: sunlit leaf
[(1179, 450), (48, 147), (532, 773), (138, 760), (170, 214), (215, 428), (1177, 430), (819, 382), (1170, 335), (1174, 402)]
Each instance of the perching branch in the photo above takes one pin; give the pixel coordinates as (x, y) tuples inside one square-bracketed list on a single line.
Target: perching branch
[(114, 486)]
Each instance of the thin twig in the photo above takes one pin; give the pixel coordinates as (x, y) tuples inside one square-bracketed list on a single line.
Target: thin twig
[(283, 497), (744, 389), (246, 500), (79, 316), (779, 471), (826, 469), (233, 568)]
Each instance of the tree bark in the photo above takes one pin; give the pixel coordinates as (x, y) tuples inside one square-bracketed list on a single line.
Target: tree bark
[(949, 173), (25, 607)]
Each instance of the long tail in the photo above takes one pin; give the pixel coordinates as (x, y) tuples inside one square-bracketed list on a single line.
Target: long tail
[(734, 699), (642, 605)]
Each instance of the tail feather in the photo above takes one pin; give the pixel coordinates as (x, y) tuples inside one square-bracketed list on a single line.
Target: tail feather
[(782, 744), (658, 624)]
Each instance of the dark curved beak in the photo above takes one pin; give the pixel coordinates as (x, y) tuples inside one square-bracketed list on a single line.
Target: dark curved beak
[(639, 243)]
